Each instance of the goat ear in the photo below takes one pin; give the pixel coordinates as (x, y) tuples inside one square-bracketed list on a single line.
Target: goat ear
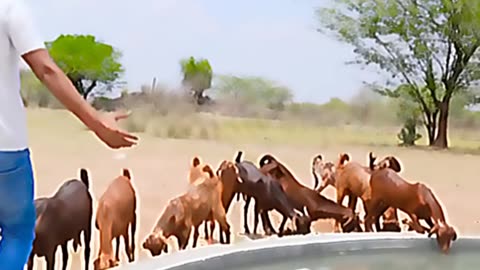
[(454, 234), (394, 164)]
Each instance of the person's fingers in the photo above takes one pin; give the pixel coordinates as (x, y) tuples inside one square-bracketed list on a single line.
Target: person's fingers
[(127, 135)]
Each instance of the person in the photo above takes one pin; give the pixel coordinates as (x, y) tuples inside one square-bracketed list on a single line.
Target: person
[(18, 38)]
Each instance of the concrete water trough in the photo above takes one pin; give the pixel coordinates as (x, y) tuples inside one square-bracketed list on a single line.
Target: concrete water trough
[(332, 251)]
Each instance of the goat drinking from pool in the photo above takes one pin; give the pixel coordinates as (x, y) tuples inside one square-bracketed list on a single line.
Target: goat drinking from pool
[(317, 206), (201, 202), (416, 200)]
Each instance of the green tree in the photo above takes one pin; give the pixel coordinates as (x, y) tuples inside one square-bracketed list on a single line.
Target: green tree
[(197, 77), (254, 90), (90, 64), (431, 46)]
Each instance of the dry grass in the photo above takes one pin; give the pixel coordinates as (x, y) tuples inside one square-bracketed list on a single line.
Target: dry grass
[(60, 146)]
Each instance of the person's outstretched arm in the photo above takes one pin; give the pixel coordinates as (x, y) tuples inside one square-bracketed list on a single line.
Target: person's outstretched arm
[(25, 40)]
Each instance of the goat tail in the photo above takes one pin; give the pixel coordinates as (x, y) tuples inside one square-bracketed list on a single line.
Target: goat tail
[(84, 177), (195, 162), (126, 173), (208, 170), (371, 160), (266, 159), (344, 157), (238, 158)]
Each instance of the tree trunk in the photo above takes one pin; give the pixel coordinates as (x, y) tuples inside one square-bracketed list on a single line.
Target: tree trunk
[(441, 141), (431, 126), (89, 89)]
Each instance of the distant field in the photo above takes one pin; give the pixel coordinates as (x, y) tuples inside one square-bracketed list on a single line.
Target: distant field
[(61, 145), (243, 130)]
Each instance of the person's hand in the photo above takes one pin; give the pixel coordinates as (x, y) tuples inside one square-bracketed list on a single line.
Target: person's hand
[(110, 133)]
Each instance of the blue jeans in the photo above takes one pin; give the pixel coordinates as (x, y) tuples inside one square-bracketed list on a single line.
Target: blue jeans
[(17, 209)]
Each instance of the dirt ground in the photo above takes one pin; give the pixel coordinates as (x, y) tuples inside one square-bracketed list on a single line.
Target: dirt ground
[(159, 169)]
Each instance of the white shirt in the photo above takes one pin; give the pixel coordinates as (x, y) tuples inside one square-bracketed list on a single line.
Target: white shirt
[(17, 37)]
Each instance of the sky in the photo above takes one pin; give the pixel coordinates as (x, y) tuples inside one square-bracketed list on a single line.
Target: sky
[(275, 39)]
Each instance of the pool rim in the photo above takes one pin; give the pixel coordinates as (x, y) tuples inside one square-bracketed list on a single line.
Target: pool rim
[(179, 258)]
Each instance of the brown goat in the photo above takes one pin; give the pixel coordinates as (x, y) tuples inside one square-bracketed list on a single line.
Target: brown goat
[(301, 196), (195, 172), (61, 218), (268, 194), (416, 200), (201, 201), (228, 175), (116, 211), (350, 179), (390, 217)]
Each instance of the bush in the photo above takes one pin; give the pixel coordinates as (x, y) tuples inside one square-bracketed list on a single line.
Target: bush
[(408, 134)]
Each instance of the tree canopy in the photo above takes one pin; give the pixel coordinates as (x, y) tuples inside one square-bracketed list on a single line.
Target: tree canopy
[(197, 76), (254, 90), (87, 62), (429, 47)]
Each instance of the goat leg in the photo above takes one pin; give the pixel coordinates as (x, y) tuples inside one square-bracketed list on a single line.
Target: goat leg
[(415, 224), (30, 261), (87, 237), (212, 229), (269, 223), (221, 217), (282, 225), (128, 250), (255, 217), (117, 247), (50, 259), (205, 223), (133, 229), (245, 215), (340, 196), (196, 234), (64, 255), (267, 226)]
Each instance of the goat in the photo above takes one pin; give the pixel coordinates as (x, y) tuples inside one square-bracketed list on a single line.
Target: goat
[(268, 195), (61, 218), (416, 200), (317, 206), (194, 173), (201, 201), (116, 211), (350, 179)]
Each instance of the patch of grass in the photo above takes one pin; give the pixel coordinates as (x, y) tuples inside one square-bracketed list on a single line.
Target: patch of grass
[(207, 126)]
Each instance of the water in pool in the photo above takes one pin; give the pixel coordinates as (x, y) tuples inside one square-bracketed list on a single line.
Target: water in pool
[(379, 260)]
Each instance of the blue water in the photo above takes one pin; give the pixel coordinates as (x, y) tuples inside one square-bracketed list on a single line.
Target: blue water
[(379, 260)]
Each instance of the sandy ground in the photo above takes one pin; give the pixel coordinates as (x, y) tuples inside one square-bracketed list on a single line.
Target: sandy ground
[(159, 169)]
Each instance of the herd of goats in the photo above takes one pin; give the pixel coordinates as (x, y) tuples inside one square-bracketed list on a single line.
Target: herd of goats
[(68, 213)]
